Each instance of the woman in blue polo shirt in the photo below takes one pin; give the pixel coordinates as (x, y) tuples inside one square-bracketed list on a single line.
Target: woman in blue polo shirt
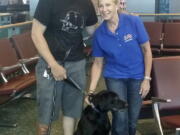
[(122, 51)]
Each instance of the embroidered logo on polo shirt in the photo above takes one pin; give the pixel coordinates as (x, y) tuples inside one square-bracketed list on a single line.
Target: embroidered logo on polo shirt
[(128, 37)]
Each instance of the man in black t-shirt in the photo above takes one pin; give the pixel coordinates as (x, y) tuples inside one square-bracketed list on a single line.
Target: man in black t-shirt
[(57, 34)]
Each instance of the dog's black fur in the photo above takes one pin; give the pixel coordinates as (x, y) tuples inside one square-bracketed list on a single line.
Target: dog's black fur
[(94, 120)]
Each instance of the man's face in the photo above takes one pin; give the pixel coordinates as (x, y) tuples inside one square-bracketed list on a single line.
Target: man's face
[(122, 4)]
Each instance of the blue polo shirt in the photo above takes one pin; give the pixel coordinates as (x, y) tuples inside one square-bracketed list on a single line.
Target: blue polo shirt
[(121, 50)]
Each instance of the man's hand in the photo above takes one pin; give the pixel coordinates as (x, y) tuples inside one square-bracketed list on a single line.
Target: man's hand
[(58, 72)]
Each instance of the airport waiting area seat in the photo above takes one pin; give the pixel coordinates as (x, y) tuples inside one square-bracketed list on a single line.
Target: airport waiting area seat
[(25, 49), (164, 38), (15, 80), (171, 40), (155, 31), (14, 77), (166, 86)]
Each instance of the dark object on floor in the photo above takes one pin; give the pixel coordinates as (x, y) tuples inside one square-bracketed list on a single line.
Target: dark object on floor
[(94, 120)]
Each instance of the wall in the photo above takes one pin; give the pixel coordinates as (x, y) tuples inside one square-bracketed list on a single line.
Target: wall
[(137, 6), (174, 6), (141, 6)]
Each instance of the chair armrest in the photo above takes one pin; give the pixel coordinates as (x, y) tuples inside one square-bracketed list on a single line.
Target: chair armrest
[(2, 69), (35, 58), (24, 61), (156, 99), (147, 102)]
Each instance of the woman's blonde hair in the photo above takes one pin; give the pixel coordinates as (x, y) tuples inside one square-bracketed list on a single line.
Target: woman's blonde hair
[(115, 2)]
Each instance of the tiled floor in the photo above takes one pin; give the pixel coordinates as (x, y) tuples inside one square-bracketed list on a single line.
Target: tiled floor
[(23, 112)]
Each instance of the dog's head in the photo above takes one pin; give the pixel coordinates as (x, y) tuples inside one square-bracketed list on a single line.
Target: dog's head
[(107, 101)]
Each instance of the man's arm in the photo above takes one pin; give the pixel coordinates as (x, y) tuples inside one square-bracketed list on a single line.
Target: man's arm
[(41, 45)]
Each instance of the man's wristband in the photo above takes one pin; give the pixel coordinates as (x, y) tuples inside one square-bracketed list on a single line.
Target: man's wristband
[(147, 78)]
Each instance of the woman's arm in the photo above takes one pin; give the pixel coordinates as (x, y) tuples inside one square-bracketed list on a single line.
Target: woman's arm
[(95, 73), (41, 45), (90, 30), (145, 86), (147, 58)]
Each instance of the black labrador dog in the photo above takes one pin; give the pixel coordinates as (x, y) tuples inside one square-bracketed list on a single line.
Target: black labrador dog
[(94, 119)]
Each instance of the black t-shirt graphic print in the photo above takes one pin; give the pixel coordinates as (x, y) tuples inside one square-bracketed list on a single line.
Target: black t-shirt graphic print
[(73, 22)]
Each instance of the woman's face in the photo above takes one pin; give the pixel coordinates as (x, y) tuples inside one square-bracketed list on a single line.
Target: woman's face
[(107, 9)]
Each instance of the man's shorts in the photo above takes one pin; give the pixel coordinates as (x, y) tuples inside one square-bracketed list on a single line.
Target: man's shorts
[(67, 98)]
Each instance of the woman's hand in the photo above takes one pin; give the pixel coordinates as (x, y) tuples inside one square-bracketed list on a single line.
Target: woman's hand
[(87, 100), (145, 88), (88, 96)]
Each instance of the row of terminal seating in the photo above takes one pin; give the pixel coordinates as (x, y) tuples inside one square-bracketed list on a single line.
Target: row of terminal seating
[(17, 58), (18, 54), (166, 92), (164, 38), (165, 87)]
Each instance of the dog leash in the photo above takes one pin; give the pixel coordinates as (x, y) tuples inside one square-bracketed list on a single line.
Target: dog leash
[(49, 74), (69, 79), (94, 108)]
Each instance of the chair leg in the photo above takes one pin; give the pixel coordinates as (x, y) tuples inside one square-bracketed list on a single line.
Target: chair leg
[(157, 117), (8, 125), (177, 131)]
